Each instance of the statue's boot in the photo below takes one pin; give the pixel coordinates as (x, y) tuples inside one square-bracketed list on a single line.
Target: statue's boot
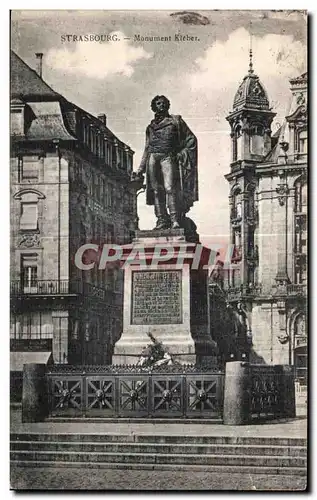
[(161, 212), (174, 214)]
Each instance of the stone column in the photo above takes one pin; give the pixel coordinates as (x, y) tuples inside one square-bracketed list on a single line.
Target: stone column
[(34, 393), (236, 408)]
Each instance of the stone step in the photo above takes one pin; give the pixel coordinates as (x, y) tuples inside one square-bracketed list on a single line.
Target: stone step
[(159, 438), (161, 458), (156, 448), (296, 471)]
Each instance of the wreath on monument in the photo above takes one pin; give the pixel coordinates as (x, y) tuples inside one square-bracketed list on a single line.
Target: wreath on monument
[(154, 354)]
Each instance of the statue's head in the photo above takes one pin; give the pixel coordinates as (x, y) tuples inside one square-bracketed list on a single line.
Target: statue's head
[(160, 104)]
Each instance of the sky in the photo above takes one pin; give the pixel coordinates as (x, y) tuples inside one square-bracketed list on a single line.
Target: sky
[(200, 78)]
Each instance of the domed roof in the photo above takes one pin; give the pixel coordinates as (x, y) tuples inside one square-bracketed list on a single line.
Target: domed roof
[(251, 92)]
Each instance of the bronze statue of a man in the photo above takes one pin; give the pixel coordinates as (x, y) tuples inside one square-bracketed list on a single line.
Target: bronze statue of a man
[(170, 163)]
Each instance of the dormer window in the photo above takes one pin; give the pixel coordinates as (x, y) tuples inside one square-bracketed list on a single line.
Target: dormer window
[(28, 169), (17, 117)]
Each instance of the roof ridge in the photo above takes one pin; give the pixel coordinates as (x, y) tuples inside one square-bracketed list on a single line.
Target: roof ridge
[(36, 75)]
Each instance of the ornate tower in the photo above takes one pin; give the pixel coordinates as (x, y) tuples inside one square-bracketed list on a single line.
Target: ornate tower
[(250, 122), (268, 223)]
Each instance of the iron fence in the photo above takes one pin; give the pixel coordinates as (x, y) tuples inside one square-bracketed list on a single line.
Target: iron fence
[(272, 392), (125, 391)]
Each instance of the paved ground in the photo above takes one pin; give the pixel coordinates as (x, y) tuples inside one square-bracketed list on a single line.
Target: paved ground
[(107, 479), (290, 428)]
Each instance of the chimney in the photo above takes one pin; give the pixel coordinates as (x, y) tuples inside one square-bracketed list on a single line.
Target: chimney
[(103, 118), (39, 63)]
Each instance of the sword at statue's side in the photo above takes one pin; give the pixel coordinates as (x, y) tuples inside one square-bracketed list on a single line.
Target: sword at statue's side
[(180, 169)]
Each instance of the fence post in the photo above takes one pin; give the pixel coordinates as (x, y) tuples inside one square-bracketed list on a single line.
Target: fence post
[(34, 393), (236, 408), (288, 392)]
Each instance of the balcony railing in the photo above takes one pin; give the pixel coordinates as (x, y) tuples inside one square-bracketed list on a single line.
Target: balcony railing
[(236, 293), (244, 290), (297, 289), (60, 287)]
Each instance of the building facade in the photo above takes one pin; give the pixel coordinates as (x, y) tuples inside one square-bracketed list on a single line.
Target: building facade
[(69, 186), (268, 222)]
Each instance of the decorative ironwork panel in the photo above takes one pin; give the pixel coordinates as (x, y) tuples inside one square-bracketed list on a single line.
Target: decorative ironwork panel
[(266, 395), (204, 396), (65, 394), (100, 395), (133, 395), (127, 391), (167, 395)]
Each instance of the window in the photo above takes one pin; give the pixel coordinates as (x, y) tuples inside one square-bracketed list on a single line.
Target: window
[(90, 137), (302, 142), (85, 132), (114, 156), (97, 187), (103, 146), (29, 169), (106, 194), (102, 190), (29, 272), (236, 143), (256, 140), (74, 328), (17, 122), (29, 216), (109, 151), (301, 196), (300, 349), (121, 159), (111, 196), (93, 184), (238, 135), (96, 143), (237, 205), (300, 233)]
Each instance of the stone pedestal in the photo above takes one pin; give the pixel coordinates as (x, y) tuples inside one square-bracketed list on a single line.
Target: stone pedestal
[(34, 393), (236, 407), (168, 300)]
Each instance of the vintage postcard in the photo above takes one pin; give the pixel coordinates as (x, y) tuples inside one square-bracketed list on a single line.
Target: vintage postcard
[(158, 204)]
